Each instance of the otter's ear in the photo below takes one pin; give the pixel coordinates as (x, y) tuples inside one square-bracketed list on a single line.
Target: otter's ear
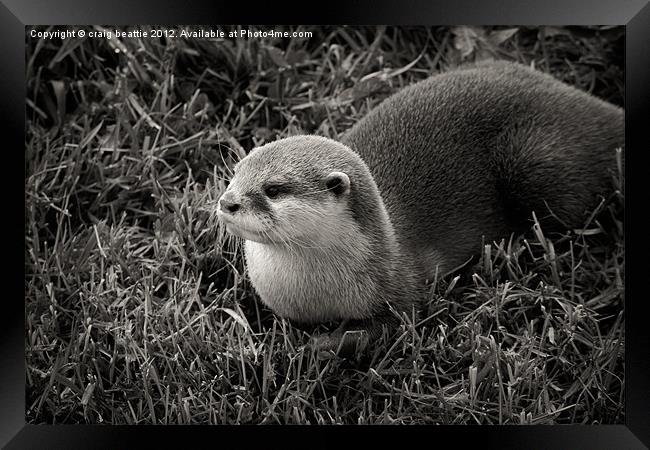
[(338, 183)]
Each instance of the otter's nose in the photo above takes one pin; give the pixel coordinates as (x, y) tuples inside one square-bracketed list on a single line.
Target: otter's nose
[(229, 206)]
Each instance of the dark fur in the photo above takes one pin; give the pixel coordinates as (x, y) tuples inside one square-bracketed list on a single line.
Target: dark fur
[(472, 152)]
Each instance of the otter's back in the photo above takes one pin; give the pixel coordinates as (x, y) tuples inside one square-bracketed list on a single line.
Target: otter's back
[(471, 152)]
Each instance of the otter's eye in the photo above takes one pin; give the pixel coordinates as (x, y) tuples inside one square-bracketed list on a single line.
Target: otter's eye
[(272, 191)]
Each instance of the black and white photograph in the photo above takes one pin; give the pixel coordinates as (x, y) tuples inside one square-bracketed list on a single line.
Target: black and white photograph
[(308, 225)]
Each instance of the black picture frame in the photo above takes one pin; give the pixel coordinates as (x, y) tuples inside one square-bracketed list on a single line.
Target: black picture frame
[(634, 14)]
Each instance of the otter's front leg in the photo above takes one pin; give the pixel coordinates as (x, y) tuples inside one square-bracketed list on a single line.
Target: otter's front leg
[(349, 337)]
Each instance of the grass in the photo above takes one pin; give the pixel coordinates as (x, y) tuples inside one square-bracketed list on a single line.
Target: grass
[(138, 309)]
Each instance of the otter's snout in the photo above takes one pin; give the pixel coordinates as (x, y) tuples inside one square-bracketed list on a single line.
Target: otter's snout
[(228, 206), (229, 203)]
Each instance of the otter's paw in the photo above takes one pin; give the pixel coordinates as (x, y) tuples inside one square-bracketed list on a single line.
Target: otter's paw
[(325, 345), (342, 344)]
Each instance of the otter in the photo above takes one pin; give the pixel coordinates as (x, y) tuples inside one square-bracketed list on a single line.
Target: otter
[(351, 231)]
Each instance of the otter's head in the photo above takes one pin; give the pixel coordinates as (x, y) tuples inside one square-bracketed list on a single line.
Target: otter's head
[(299, 190)]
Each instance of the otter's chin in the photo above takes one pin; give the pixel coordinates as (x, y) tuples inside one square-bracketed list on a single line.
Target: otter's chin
[(249, 235)]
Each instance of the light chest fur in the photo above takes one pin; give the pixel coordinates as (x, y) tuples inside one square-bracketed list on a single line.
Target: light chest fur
[(312, 285)]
